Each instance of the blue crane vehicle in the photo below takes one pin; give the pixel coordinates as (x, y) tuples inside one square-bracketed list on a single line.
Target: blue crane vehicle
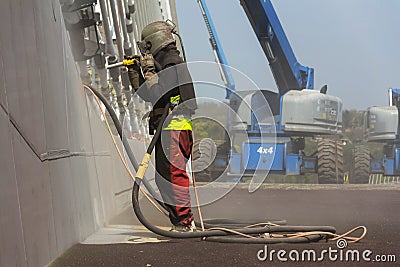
[(381, 124), (297, 109)]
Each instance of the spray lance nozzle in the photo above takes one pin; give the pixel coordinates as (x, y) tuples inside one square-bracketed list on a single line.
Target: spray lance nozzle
[(133, 65), (129, 61), (135, 60)]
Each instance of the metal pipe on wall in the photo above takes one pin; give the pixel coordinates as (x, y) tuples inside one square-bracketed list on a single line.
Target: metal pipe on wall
[(110, 51), (116, 29), (127, 51), (117, 84), (106, 26), (130, 10), (127, 43)]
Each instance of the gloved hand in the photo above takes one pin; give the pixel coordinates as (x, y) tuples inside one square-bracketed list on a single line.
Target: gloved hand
[(147, 63), (133, 65), (149, 69)]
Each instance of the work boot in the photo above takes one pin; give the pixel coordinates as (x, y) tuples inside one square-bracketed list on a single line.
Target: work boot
[(184, 228)]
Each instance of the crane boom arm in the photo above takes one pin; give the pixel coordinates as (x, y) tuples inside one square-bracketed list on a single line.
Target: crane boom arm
[(217, 49), (288, 73)]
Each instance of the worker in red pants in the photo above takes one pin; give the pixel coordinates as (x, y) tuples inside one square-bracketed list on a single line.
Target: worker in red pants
[(172, 154), (168, 81)]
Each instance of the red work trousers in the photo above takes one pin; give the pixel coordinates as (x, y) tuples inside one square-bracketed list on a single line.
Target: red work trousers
[(173, 150)]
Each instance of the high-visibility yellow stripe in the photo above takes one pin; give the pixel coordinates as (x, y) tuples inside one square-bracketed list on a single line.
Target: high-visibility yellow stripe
[(173, 99), (180, 124)]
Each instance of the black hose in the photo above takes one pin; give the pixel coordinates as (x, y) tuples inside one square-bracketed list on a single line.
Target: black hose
[(220, 233), (209, 235), (231, 239), (219, 221), (159, 129), (182, 46)]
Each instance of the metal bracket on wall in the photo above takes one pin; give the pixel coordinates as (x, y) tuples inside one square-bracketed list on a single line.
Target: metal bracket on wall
[(51, 154)]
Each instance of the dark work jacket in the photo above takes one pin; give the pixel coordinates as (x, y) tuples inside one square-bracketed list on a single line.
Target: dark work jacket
[(174, 79)]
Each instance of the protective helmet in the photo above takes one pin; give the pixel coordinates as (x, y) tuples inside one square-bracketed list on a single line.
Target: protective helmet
[(157, 35)]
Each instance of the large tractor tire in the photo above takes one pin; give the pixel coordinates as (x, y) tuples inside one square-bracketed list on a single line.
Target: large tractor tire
[(360, 166), (204, 153), (330, 162)]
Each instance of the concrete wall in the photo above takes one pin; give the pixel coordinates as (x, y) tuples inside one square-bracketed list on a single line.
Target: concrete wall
[(48, 206)]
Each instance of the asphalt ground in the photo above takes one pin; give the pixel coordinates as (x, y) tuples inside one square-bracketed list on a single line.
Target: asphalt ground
[(341, 206)]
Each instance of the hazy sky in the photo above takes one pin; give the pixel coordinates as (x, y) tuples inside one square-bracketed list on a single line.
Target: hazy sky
[(353, 45)]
